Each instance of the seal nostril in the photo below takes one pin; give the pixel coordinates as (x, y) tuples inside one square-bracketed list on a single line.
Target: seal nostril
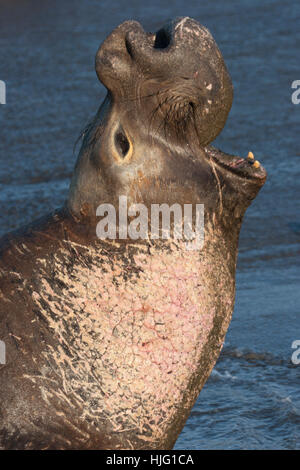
[(128, 46), (122, 143), (162, 39)]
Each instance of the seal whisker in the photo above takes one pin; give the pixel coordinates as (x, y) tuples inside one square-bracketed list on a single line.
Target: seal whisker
[(211, 162), (142, 97)]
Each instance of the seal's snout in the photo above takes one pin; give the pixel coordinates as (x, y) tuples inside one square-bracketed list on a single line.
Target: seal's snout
[(114, 61), (176, 46), (181, 62), (179, 32)]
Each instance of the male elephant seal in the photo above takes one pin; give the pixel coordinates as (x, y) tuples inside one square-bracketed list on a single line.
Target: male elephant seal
[(109, 342)]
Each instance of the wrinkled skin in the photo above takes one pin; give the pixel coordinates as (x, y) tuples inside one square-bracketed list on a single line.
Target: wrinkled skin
[(108, 343)]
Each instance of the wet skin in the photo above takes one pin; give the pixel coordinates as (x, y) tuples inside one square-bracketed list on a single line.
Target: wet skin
[(109, 343)]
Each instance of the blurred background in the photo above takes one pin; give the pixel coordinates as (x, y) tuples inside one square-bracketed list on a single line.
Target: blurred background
[(251, 400)]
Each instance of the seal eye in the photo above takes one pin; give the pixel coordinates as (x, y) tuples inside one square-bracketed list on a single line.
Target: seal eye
[(121, 142)]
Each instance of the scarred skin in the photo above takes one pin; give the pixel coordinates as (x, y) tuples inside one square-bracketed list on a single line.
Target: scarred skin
[(109, 342)]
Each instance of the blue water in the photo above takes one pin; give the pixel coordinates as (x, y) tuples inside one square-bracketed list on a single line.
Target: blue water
[(251, 400)]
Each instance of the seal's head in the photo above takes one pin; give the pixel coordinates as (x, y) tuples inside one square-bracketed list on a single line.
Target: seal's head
[(169, 95)]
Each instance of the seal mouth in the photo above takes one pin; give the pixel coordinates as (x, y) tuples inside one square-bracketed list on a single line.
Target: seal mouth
[(248, 167)]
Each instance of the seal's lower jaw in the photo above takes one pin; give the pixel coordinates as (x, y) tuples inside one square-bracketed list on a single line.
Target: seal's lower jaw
[(245, 168)]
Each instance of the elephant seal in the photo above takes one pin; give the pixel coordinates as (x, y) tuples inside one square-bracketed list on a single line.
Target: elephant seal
[(109, 341)]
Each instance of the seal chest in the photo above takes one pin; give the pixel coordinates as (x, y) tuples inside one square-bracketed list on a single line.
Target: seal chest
[(130, 331)]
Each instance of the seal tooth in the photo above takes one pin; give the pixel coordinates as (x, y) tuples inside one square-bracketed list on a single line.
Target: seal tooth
[(250, 156), (256, 164)]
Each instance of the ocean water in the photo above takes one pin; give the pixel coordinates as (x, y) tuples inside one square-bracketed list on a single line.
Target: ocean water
[(251, 400)]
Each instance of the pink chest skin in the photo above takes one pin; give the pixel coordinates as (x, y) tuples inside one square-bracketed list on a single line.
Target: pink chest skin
[(131, 334)]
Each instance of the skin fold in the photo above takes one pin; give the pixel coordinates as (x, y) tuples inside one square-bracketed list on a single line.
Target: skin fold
[(109, 342)]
